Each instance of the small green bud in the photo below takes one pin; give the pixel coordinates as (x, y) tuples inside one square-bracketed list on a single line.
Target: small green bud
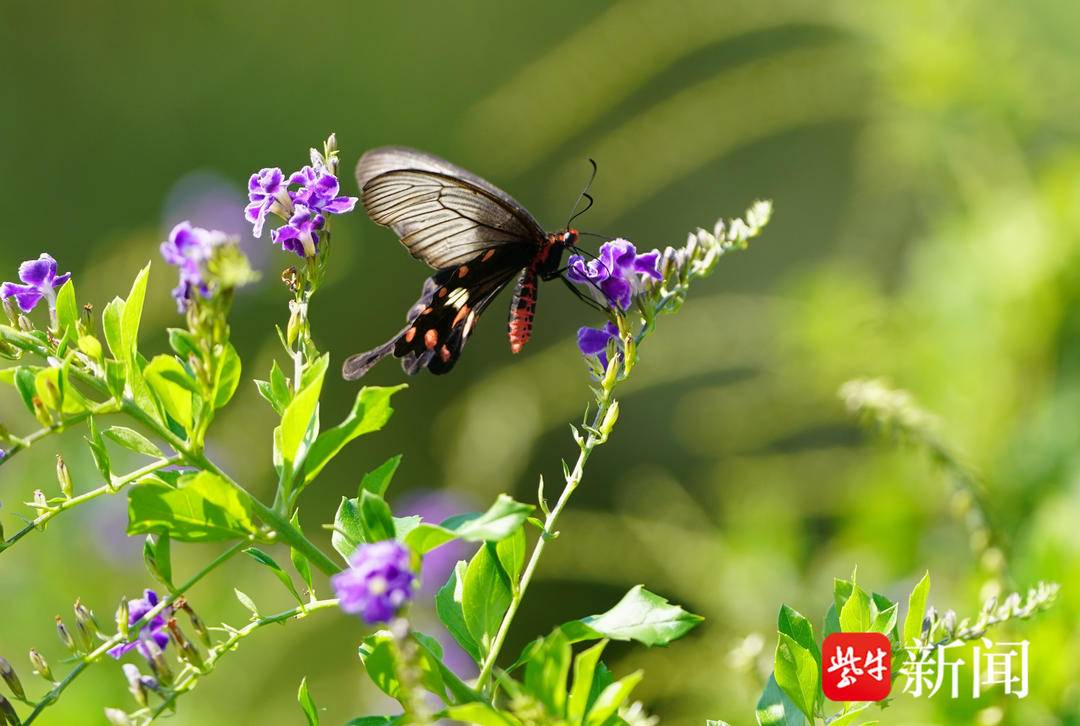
[(135, 684), (123, 618), (610, 418), (9, 311), (188, 652), (157, 661), (65, 636), (196, 622), (40, 665), (86, 626), (117, 717), (7, 712), (40, 503), (11, 678), (64, 477)]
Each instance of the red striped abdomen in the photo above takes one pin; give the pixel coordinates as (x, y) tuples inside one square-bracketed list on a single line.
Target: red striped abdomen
[(522, 307)]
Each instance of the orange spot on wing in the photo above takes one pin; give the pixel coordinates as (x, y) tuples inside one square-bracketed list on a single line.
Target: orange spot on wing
[(463, 271), (431, 339), (410, 334), (460, 315), (426, 311), (441, 292), (488, 255), (444, 353)]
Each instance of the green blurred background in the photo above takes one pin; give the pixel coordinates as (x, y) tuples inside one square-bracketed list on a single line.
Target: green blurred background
[(924, 162)]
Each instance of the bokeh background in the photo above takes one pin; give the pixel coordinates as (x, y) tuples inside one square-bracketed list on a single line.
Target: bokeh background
[(924, 162)]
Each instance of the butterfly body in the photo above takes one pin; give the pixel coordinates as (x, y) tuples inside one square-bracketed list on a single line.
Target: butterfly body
[(476, 236)]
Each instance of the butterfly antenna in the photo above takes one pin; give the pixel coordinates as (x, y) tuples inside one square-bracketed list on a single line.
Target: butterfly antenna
[(574, 214)]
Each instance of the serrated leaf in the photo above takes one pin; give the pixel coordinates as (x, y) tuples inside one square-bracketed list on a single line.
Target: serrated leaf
[(378, 479), (133, 440), (913, 620), (307, 704), (485, 596), (202, 508), (269, 562), (448, 606), (369, 413), (797, 674)]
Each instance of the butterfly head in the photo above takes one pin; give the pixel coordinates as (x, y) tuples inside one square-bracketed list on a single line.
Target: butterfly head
[(569, 238)]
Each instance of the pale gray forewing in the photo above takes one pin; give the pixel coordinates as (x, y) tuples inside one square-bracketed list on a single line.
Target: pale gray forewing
[(443, 214)]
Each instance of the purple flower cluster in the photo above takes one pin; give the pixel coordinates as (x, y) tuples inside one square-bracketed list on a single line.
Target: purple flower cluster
[(190, 248), (615, 276), (378, 582), (305, 209), (39, 281), (154, 630)]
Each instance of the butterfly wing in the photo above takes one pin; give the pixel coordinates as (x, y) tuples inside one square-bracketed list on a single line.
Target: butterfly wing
[(444, 215), (443, 318)]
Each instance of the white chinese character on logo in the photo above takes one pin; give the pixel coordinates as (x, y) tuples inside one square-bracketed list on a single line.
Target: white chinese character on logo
[(925, 675), (847, 663), (876, 664), (997, 668)]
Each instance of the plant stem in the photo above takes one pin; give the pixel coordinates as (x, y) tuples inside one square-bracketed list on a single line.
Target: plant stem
[(45, 517), (586, 447), (49, 698), (25, 442), (190, 675)]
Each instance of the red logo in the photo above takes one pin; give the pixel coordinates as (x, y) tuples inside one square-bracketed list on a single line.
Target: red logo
[(856, 667)]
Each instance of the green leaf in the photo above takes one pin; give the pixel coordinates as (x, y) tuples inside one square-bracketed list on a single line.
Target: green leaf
[(584, 670), (377, 480), (547, 670), (641, 616), (348, 528), (98, 451), (227, 378), (133, 440), (267, 561), (499, 522), (279, 386), (602, 678), (247, 602), (459, 690), (299, 560), (307, 705), (774, 708), (480, 714), (202, 508), (855, 614), (24, 384), (792, 623), (848, 717), (377, 652), (299, 423), (140, 390), (157, 555), (110, 324), (376, 517), (369, 413), (448, 606), (916, 611), (841, 592), (183, 343), (173, 386), (797, 673), (608, 702), (132, 315), (511, 552), (67, 310), (54, 391), (485, 596), (884, 621)]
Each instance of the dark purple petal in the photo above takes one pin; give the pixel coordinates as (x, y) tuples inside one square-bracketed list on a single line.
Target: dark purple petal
[(340, 205), (378, 582), (592, 341), (39, 272), (617, 290), (59, 280), (649, 264), (26, 296)]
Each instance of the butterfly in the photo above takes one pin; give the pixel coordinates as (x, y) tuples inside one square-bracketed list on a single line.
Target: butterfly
[(476, 236)]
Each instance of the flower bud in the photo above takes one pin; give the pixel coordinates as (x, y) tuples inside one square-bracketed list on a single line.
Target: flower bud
[(86, 626), (196, 622), (117, 717), (40, 503), (135, 684), (188, 652), (293, 328), (63, 476), (11, 678), (7, 712), (25, 325), (40, 665), (948, 622), (150, 650), (65, 636), (610, 418), (123, 618), (9, 311)]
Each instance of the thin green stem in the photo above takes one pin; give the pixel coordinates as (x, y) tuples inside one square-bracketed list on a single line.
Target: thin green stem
[(586, 447), (44, 518), (189, 677), (25, 442), (49, 698)]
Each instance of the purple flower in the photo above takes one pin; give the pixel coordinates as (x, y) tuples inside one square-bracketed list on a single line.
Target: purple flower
[(301, 234), (594, 341), (189, 248), (40, 280), (616, 275), (318, 191), (378, 582), (266, 193), (154, 630)]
